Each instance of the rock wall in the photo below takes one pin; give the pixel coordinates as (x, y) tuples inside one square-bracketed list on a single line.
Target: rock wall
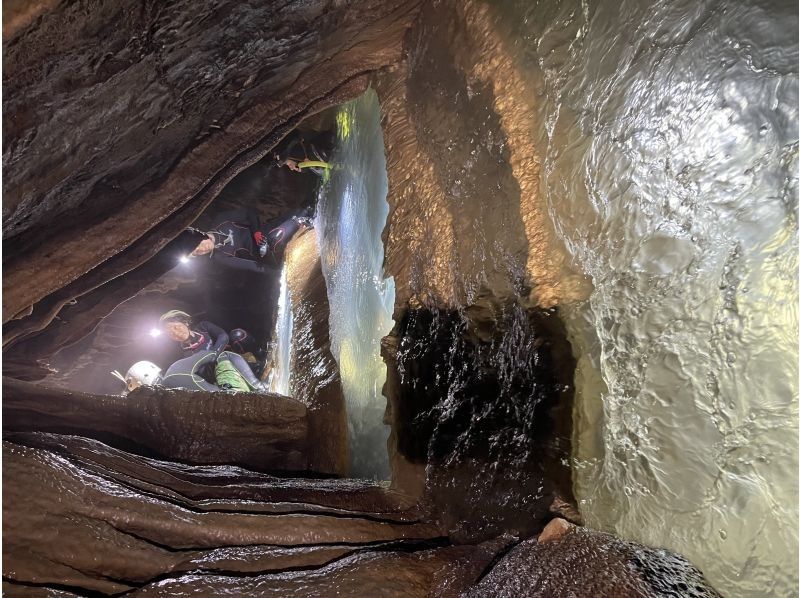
[(122, 122), (124, 522), (315, 375), (569, 561), (480, 371), (262, 432)]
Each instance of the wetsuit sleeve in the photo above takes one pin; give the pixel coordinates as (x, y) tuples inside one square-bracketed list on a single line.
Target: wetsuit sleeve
[(219, 335), (246, 216), (237, 263)]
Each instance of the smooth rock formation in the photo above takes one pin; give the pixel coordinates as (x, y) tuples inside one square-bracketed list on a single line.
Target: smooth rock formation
[(81, 516), (315, 375), (262, 432)]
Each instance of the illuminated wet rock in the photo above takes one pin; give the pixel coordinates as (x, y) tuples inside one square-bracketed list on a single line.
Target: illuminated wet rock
[(587, 200)]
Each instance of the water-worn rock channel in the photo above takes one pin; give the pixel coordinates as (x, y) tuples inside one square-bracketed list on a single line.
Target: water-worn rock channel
[(542, 339)]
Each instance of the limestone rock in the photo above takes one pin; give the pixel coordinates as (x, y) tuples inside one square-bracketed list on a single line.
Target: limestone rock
[(590, 563), (263, 432)]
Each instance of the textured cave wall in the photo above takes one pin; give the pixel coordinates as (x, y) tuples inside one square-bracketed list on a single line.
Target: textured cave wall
[(121, 122), (480, 371), (125, 522), (567, 561), (315, 375), (258, 431)]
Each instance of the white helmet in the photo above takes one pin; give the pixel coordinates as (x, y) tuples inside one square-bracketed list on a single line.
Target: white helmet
[(142, 373)]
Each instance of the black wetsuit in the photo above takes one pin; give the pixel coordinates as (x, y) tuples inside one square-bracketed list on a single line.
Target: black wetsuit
[(186, 373), (235, 244), (204, 336)]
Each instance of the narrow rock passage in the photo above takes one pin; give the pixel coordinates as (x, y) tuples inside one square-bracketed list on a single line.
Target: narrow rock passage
[(123, 521)]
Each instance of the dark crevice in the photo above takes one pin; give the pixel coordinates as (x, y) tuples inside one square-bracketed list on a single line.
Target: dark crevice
[(174, 550), (499, 556), (80, 591)]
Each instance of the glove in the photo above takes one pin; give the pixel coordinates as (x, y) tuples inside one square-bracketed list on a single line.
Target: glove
[(260, 238)]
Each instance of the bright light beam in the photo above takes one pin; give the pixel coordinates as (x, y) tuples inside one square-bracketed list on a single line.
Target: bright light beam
[(184, 259), (155, 332)]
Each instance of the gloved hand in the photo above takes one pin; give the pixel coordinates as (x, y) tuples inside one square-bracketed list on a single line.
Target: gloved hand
[(261, 238)]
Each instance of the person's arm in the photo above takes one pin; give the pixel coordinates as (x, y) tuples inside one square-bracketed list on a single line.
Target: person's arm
[(237, 263), (246, 215), (219, 335)]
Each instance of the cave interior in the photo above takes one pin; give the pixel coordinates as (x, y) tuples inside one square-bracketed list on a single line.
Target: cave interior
[(117, 139)]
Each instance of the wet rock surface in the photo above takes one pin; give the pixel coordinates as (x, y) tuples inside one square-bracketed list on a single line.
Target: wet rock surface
[(124, 521), (173, 101), (582, 562), (486, 407), (263, 432), (480, 370), (315, 375)]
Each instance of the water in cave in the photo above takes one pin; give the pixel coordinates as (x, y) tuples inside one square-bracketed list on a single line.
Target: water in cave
[(593, 250), (350, 218), (654, 150), (669, 169), (280, 377)]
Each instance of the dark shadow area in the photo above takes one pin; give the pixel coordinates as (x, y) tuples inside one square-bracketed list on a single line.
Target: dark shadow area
[(486, 403)]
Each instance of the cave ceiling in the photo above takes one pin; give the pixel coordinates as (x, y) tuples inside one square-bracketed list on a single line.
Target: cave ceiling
[(123, 121)]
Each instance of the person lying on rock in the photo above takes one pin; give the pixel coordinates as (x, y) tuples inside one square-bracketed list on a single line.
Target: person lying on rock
[(238, 240), (231, 372)]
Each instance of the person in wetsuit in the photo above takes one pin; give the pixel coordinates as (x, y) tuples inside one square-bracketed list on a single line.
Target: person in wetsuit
[(193, 337), (238, 240), (295, 150), (203, 337), (186, 373)]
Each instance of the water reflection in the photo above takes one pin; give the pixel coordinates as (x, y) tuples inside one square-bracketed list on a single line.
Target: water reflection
[(669, 140)]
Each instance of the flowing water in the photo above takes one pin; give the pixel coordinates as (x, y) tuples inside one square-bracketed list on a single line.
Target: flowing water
[(350, 218), (650, 147), (280, 377), (667, 133)]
